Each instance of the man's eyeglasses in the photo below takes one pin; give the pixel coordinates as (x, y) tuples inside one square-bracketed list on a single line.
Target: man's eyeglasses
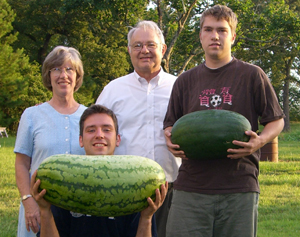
[(57, 71), (139, 46)]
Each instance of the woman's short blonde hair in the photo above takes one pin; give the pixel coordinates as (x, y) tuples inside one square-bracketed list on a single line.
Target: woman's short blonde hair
[(57, 57)]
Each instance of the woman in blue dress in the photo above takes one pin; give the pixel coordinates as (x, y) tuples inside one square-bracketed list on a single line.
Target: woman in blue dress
[(48, 129)]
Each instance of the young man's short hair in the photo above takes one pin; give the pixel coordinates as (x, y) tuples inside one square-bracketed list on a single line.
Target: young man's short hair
[(97, 109), (220, 12)]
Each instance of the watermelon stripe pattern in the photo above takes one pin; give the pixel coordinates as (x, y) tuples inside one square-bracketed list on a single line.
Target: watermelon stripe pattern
[(113, 185)]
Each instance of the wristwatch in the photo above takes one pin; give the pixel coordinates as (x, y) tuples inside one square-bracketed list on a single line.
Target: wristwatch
[(24, 197)]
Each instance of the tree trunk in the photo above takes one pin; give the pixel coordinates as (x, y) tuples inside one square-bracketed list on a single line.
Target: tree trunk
[(42, 53), (159, 13), (180, 26), (286, 88)]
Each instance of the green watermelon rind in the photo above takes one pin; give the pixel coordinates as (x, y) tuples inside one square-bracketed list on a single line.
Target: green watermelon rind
[(114, 185), (207, 134)]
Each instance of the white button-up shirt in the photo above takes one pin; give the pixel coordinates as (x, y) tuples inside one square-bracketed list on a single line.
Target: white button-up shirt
[(140, 108)]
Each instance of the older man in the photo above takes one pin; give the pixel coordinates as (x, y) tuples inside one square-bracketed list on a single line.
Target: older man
[(140, 101)]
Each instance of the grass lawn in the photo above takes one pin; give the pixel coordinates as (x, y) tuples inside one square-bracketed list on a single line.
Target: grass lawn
[(9, 194), (279, 212), (279, 205)]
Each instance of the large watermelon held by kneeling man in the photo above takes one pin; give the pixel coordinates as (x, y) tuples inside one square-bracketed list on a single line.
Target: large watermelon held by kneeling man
[(107, 185)]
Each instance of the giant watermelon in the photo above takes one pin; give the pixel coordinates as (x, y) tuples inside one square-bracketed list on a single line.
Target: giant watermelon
[(100, 185), (207, 134)]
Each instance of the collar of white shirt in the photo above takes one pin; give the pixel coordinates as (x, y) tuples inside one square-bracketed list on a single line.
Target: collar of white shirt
[(155, 81)]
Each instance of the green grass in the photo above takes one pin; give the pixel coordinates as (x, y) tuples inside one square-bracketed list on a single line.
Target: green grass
[(288, 150), (9, 194), (289, 144), (293, 135), (279, 212)]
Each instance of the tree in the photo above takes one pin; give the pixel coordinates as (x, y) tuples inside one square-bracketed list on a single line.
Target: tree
[(98, 29), (15, 72), (267, 35), (271, 40), (179, 21)]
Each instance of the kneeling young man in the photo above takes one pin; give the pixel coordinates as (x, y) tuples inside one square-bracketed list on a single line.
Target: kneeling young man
[(99, 136)]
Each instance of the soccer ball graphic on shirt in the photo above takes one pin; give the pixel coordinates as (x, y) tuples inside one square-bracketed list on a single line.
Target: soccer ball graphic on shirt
[(215, 100)]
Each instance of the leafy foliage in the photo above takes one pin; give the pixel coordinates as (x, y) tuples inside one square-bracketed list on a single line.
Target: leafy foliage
[(16, 73), (90, 26), (267, 35)]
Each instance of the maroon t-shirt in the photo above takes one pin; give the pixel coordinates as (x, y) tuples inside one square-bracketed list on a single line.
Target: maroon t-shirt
[(239, 87)]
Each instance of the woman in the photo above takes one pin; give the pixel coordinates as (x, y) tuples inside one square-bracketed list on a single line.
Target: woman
[(48, 129)]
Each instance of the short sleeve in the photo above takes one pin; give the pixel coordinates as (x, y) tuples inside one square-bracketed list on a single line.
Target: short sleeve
[(24, 141)]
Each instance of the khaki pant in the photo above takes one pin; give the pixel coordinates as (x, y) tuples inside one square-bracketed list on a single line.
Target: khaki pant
[(202, 215)]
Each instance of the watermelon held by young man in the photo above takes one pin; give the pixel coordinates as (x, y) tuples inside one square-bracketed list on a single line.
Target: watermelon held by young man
[(207, 134), (112, 185)]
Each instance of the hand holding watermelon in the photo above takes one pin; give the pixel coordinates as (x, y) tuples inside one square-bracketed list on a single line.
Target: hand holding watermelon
[(39, 197), (149, 211), (173, 148)]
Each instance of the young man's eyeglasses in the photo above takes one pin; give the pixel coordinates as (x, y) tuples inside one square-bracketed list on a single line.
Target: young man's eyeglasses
[(57, 71), (138, 46)]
